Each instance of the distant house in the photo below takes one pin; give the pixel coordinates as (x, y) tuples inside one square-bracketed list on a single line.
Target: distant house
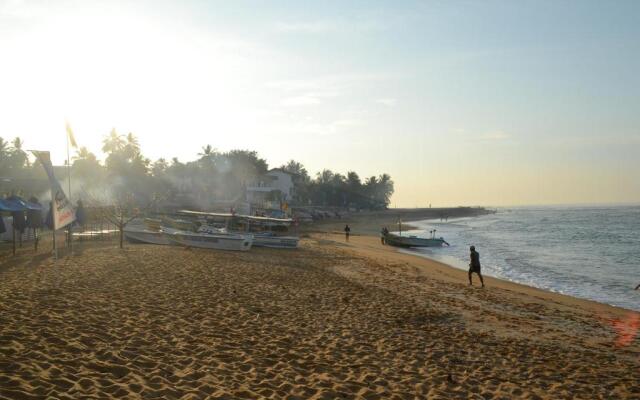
[(271, 189)]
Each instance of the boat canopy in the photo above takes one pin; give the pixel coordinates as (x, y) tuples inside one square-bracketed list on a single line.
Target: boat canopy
[(238, 216)]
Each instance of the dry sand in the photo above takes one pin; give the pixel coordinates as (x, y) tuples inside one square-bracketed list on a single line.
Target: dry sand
[(330, 320)]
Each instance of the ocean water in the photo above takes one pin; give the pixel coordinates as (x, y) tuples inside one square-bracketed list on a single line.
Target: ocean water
[(586, 252)]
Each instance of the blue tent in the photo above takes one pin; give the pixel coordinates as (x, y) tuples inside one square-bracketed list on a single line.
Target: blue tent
[(17, 207), (15, 203)]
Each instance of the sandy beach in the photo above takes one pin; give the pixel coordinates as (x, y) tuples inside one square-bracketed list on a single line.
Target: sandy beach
[(330, 320)]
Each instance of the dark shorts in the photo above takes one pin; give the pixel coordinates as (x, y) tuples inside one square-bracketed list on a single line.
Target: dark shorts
[(474, 268)]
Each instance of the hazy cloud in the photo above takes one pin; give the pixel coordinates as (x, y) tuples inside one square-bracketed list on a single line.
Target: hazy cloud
[(335, 25), (313, 91), (389, 102), (307, 27), (498, 135), (328, 128), (304, 100)]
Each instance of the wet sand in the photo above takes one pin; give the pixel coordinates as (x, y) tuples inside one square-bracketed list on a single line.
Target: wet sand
[(330, 320)]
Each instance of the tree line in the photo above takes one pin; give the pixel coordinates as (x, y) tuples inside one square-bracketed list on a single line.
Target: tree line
[(212, 176)]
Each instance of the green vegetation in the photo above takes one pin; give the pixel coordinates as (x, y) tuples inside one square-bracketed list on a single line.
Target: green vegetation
[(220, 176)]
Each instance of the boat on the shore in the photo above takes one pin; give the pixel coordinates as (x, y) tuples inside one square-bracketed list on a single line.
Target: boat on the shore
[(266, 231), (413, 241), (398, 240), (218, 241), (142, 234), (269, 239), (146, 231)]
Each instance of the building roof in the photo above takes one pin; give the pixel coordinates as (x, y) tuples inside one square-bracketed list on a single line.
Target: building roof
[(281, 170)]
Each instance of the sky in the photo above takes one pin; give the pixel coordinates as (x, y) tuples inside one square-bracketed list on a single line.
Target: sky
[(490, 103)]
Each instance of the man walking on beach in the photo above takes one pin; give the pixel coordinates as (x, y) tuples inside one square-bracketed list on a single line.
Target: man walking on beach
[(474, 265), (347, 230)]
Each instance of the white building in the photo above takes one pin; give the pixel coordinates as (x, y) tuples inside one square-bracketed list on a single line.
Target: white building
[(271, 188)]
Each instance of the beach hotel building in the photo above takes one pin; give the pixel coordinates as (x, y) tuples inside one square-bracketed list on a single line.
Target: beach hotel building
[(270, 192)]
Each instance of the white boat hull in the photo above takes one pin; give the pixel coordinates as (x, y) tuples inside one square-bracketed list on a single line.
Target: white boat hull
[(413, 241), (280, 242), (211, 241), (146, 236)]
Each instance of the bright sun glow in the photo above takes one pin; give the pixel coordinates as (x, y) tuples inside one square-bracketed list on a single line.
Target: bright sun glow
[(102, 72)]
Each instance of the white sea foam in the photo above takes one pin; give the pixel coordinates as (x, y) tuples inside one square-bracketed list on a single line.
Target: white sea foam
[(591, 253)]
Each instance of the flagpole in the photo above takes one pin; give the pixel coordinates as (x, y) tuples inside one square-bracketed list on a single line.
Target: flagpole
[(69, 177)]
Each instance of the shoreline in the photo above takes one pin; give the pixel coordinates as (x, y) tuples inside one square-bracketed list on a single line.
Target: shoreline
[(367, 245), (551, 291), (370, 227)]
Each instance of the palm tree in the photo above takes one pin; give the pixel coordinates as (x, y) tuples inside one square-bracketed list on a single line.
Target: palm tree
[(18, 158), (385, 188), (132, 147), (159, 167), (353, 180), (207, 151), (113, 142), (4, 154), (84, 154), (324, 177), (4, 148), (132, 140), (87, 168), (296, 168), (208, 158)]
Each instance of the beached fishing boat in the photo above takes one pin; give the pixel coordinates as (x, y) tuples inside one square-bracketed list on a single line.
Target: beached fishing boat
[(266, 231), (260, 239), (142, 234), (175, 224), (218, 241), (269, 239), (413, 241)]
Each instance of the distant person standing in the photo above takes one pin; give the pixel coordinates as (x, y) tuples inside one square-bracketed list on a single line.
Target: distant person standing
[(347, 230), (383, 234), (474, 265), (81, 215)]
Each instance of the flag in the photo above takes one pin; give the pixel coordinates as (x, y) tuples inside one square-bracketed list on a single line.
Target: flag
[(72, 139), (62, 209)]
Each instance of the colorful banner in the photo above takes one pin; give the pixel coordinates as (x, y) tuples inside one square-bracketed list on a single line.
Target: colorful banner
[(63, 213)]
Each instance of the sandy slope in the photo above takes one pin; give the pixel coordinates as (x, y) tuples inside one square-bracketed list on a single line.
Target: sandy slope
[(327, 321)]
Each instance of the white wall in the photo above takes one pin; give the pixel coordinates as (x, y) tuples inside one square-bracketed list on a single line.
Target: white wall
[(283, 182)]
